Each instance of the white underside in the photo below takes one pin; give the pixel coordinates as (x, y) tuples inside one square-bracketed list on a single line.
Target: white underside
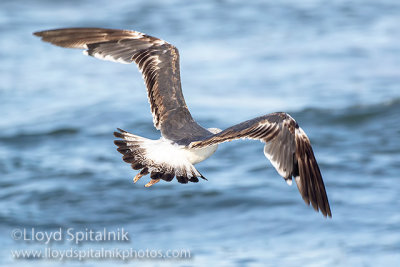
[(164, 152), (195, 156)]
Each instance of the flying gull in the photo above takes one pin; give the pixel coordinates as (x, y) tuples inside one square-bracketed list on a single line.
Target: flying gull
[(183, 142)]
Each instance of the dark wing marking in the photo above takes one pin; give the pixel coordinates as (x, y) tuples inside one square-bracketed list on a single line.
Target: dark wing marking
[(289, 150), (157, 60)]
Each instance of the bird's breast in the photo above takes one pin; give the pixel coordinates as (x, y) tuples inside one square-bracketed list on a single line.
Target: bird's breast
[(196, 155)]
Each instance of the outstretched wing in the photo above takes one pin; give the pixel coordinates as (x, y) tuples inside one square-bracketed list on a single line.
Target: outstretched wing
[(289, 150), (157, 60)]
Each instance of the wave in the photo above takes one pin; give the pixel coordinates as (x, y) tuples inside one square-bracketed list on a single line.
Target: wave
[(35, 135), (353, 115)]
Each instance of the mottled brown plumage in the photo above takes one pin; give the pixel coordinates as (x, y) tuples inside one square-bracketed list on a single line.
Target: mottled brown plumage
[(157, 60), (288, 147), (185, 142)]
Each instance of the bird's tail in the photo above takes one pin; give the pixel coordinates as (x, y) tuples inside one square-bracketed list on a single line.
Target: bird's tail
[(162, 159)]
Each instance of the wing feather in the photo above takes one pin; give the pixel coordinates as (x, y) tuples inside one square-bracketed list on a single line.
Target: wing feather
[(157, 60), (289, 150)]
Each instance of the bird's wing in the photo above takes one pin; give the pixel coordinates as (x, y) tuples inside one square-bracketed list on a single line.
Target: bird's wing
[(157, 60), (289, 150)]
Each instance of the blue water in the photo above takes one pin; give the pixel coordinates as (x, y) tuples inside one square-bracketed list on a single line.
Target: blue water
[(333, 65)]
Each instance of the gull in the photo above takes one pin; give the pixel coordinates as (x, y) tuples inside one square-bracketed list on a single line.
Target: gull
[(183, 141)]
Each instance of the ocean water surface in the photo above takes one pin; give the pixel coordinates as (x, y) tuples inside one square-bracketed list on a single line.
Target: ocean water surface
[(333, 65)]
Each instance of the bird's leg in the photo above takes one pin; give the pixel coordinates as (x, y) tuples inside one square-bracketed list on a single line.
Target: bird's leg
[(152, 181), (137, 177), (140, 174)]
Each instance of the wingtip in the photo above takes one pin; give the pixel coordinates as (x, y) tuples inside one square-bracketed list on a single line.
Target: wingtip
[(122, 131), (118, 135), (42, 33), (325, 210), (327, 213)]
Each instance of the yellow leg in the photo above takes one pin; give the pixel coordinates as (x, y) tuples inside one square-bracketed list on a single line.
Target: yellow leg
[(137, 177), (152, 181)]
